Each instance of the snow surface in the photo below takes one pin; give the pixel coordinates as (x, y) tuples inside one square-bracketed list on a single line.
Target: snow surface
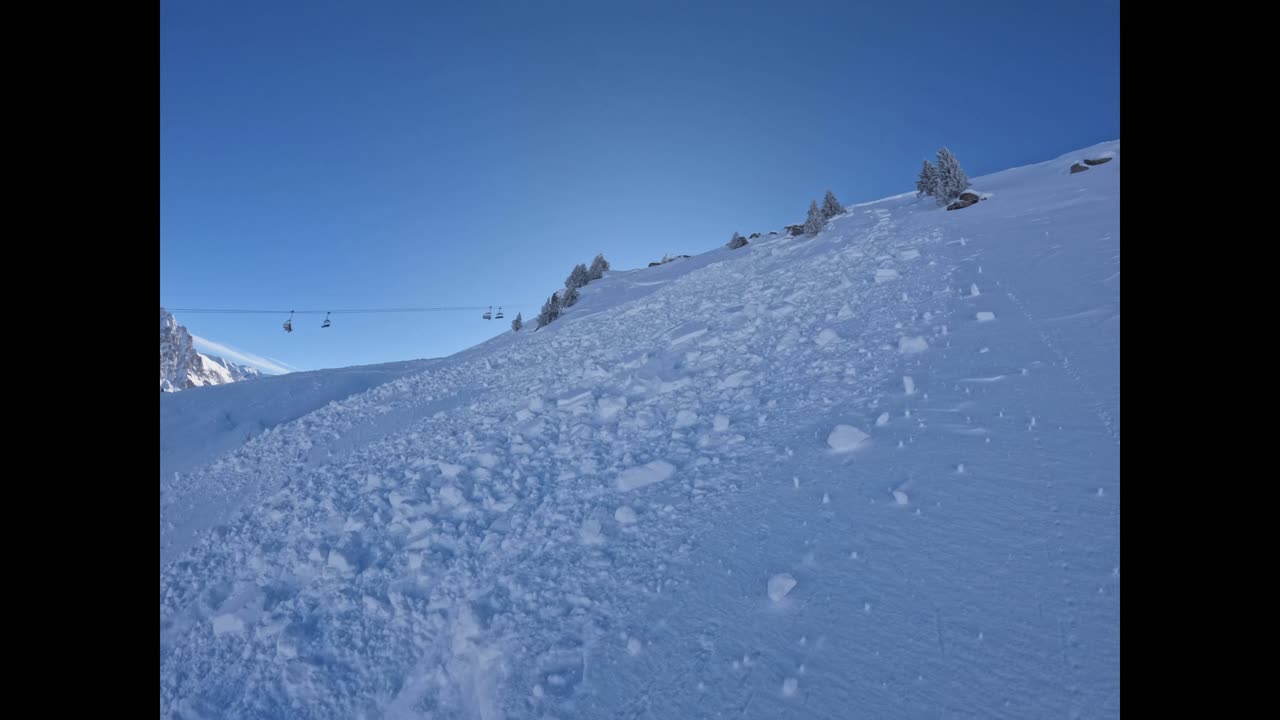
[(912, 345), (448, 539), (199, 425)]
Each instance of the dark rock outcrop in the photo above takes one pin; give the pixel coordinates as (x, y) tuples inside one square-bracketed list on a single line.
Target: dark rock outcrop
[(965, 200)]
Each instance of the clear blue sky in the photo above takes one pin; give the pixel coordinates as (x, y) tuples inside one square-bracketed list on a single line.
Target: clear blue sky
[(388, 154)]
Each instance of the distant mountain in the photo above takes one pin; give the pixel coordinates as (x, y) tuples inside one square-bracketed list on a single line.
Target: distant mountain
[(181, 367)]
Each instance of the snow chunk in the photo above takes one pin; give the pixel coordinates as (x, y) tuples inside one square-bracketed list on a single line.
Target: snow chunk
[(846, 437), (912, 345), (647, 474), (737, 379), (228, 624), (986, 316), (780, 585), (340, 562), (609, 407), (451, 496), (826, 337), (882, 420), (625, 515), (686, 418), (721, 423), (576, 403), (884, 275), (287, 645), (789, 687), (845, 313), (633, 647), (900, 497), (590, 532), (908, 254), (689, 336), (909, 384)]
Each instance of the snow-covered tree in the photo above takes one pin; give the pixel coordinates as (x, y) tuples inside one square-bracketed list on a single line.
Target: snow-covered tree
[(517, 323), (927, 183), (568, 297), (814, 224), (550, 311), (736, 242), (578, 277), (951, 178), (831, 207), (599, 266)]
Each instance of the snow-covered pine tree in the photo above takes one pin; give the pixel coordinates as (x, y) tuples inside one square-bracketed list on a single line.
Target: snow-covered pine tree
[(927, 183), (550, 311), (578, 277), (813, 225), (569, 297), (599, 266), (736, 242), (517, 323), (951, 178), (831, 207)]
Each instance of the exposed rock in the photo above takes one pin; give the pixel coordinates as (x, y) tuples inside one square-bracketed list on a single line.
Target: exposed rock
[(1078, 168), (1097, 161), (965, 200)]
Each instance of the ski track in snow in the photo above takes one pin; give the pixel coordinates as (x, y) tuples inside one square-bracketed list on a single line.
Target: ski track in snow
[(585, 521)]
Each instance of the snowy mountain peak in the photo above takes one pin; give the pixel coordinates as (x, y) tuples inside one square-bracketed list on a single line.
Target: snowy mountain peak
[(182, 368)]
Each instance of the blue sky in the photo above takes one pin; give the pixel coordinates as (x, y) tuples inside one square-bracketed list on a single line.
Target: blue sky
[(328, 155)]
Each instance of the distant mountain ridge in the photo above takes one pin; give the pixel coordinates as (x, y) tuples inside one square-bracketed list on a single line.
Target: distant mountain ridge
[(183, 368)]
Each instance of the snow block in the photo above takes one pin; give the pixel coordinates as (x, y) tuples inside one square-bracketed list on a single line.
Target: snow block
[(647, 474)]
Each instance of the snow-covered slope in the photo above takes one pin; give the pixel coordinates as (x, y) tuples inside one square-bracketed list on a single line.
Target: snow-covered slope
[(182, 368), (779, 481), (198, 426)]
